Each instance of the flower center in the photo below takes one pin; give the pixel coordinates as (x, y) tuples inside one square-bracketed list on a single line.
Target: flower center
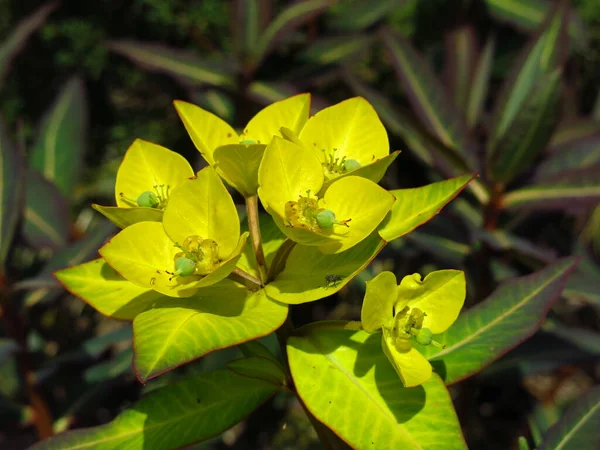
[(338, 166), (306, 213), (198, 256), (406, 326), (149, 199)]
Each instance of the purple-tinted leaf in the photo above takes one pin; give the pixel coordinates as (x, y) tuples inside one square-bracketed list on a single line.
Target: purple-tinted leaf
[(62, 139), (46, 218), (579, 154), (427, 96), (527, 15), (506, 318), (336, 49), (500, 240), (530, 130), (12, 180), (460, 55), (574, 188), (544, 55), (19, 35), (249, 18), (578, 429), (570, 133), (481, 82), (182, 65), (286, 22)]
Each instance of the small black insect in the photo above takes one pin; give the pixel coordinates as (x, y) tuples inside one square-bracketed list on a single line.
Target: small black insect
[(332, 280)]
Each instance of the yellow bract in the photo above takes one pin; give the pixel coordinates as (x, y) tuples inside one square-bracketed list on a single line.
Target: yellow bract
[(407, 312), (349, 130), (290, 176)]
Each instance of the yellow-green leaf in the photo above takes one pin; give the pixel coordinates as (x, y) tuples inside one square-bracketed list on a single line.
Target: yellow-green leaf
[(380, 297), (412, 367), (238, 165), (123, 217)]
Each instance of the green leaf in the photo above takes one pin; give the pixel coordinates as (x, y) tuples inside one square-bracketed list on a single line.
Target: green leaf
[(100, 286), (174, 416), (414, 207), (481, 83), (303, 278), (427, 96), (184, 66), (123, 217), (259, 367), (354, 15), (460, 60), (62, 139), (286, 22), (217, 102), (13, 44), (338, 370), (46, 223), (578, 154), (448, 250), (578, 429), (272, 238), (528, 15), (574, 132), (569, 189), (510, 315), (240, 163), (336, 49), (543, 56), (12, 182), (250, 17), (108, 370), (530, 130), (175, 332)]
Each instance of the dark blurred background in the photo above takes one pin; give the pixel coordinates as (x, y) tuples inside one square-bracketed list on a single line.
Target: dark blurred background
[(107, 72)]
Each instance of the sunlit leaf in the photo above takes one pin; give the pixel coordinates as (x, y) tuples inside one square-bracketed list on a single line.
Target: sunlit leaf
[(505, 319), (338, 370), (177, 415), (175, 332)]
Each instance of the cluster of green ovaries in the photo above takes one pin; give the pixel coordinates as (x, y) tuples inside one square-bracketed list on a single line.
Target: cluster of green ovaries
[(316, 176)]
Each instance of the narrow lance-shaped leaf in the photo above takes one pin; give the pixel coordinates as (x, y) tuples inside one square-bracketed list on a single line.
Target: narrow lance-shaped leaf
[(574, 188), (182, 65), (12, 180), (335, 49), (579, 154), (542, 56), (249, 18), (286, 22), (578, 429), (530, 130), (501, 322), (481, 83), (19, 35), (46, 224), (529, 14), (571, 132), (460, 44), (427, 96), (339, 369), (191, 410), (354, 15), (61, 144)]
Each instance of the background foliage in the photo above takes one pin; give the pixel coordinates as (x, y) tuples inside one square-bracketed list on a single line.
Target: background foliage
[(81, 80)]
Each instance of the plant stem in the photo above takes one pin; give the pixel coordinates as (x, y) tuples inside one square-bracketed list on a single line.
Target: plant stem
[(246, 279), (278, 263), (493, 208), (255, 237), (41, 418)]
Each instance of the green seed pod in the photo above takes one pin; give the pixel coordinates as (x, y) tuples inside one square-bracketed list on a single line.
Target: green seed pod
[(184, 267), (248, 142), (351, 164), (148, 199), (423, 337), (325, 218)]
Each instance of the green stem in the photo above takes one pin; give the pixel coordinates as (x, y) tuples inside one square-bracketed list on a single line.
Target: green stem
[(255, 237), (246, 279)]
